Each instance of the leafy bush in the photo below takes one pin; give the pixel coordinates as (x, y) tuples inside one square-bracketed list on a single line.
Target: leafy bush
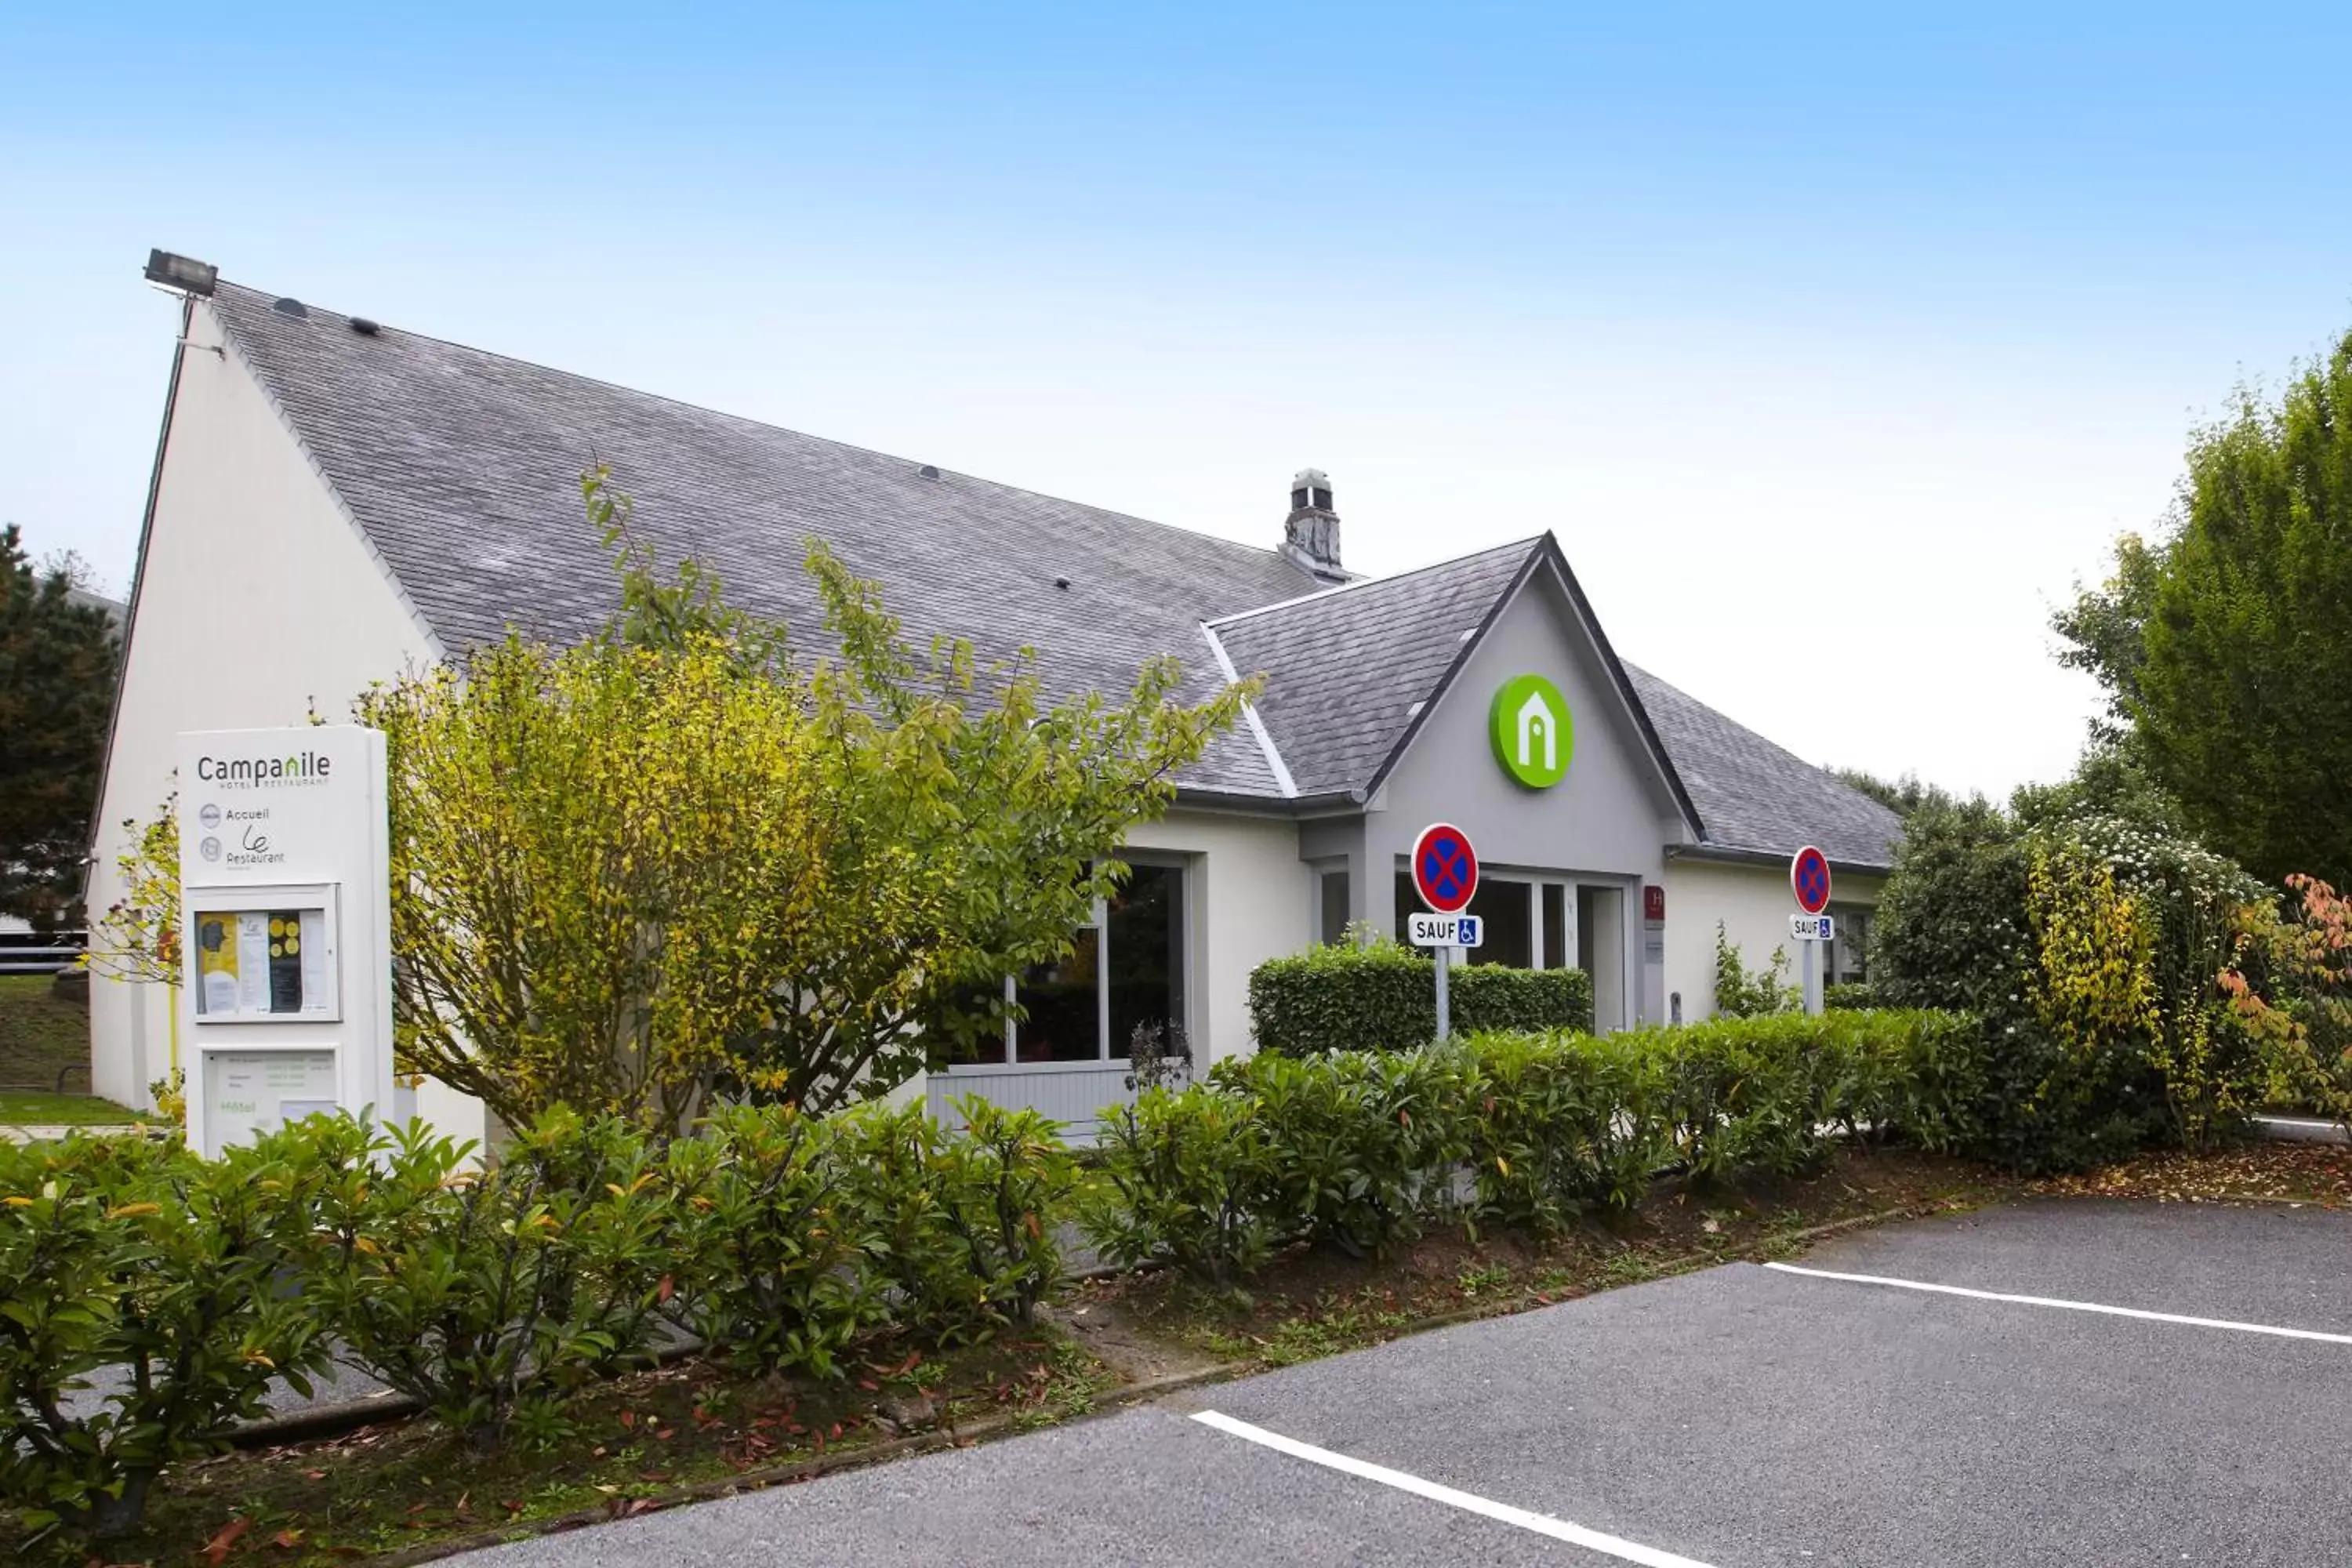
[(162, 1269), (1383, 997), (1851, 996), (487, 1295), (2305, 960), (2092, 945), (1740, 995), (1560, 1124), (1357, 1143), (964, 1219), (770, 1264), (1185, 1180)]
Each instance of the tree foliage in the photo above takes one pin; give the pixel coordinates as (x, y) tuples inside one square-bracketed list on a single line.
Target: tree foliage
[(691, 859), (56, 685), (602, 858), (2224, 645)]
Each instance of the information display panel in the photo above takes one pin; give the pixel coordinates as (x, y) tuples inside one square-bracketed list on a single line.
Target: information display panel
[(264, 955), (247, 1093)]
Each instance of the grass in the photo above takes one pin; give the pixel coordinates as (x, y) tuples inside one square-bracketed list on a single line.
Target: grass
[(40, 1033), (66, 1110)]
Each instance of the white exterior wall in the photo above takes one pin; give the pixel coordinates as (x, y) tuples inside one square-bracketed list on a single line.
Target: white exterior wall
[(1252, 900), (1248, 899), (1754, 903), (257, 600)]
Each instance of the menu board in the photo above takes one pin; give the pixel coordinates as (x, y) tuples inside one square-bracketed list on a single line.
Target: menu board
[(247, 1093), (263, 964)]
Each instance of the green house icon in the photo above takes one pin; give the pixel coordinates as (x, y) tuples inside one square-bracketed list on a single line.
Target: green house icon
[(1532, 730)]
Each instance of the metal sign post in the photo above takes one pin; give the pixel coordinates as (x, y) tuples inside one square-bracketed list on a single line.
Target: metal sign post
[(1809, 879), (1445, 875)]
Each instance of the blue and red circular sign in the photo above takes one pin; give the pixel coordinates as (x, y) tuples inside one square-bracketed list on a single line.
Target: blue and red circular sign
[(1809, 878), (1445, 867)]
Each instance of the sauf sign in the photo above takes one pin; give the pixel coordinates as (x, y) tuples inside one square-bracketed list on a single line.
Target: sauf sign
[(286, 898)]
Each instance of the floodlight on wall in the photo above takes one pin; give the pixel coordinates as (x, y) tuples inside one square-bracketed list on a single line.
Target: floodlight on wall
[(185, 273)]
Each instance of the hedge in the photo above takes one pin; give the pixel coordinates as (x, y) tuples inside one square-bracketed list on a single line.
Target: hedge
[(1383, 997), (1363, 1148), (782, 1242)]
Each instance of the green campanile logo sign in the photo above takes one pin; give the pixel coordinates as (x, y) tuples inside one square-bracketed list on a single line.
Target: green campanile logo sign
[(1534, 736)]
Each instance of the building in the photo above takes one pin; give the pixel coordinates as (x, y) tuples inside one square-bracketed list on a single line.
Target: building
[(335, 501)]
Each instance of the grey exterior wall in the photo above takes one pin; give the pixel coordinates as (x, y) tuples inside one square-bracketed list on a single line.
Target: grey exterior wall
[(1606, 823)]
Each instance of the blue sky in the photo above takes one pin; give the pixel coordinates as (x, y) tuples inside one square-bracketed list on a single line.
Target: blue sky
[(1832, 346)]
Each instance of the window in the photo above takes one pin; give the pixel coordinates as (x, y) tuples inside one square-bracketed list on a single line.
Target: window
[(1125, 968), (1503, 905), (1847, 961), (1555, 926), (1331, 909)]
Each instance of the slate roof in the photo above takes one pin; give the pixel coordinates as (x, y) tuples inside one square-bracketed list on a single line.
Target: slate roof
[(462, 469), (1756, 795), (1350, 669)]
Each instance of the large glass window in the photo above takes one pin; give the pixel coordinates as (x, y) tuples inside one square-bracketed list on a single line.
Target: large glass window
[(1849, 955), (1503, 904), (1125, 968), (1061, 1006), (1145, 922)]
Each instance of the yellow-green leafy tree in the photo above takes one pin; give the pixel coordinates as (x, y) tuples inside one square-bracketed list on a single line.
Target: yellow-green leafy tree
[(688, 860), (599, 856)]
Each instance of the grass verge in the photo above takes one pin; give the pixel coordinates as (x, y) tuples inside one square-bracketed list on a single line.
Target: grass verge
[(40, 1032)]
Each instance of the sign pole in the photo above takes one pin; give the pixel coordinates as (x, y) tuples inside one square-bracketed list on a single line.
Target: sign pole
[(1813, 951), (1444, 1019)]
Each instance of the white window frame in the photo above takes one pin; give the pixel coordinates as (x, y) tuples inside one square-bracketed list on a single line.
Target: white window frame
[(1098, 921)]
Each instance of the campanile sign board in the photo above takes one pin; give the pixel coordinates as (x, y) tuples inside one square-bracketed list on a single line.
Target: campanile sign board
[(286, 946)]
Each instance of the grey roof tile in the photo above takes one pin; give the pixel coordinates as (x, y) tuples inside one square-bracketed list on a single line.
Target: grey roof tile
[(1756, 795), (1347, 670), (463, 468)]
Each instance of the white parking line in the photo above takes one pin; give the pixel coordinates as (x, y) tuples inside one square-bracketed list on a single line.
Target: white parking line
[(2270, 1328), (1541, 1524)]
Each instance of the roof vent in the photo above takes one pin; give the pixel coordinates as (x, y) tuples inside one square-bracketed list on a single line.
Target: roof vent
[(365, 327), (1310, 535), (928, 471), (294, 307)]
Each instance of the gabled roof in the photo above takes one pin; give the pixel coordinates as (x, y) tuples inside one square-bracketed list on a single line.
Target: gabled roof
[(462, 469), (1350, 668), (1760, 798)]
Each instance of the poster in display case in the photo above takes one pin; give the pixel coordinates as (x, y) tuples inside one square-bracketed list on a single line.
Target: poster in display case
[(263, 954)]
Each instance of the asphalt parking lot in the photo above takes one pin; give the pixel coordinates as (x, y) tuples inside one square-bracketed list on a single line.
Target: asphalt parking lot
[(2094, 1382)]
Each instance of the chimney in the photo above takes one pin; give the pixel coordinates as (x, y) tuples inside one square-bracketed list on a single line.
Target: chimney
[(1310, 535)]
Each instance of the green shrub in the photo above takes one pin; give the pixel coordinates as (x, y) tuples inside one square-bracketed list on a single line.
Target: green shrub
[(964, 1219), (1383, 997), (1556, 1125), (1359, 1144), (1184, 1180), (487, 1295), (770, 1266), (162, 1269), (1740, 995), (1744, 1093), (1851, 996)]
